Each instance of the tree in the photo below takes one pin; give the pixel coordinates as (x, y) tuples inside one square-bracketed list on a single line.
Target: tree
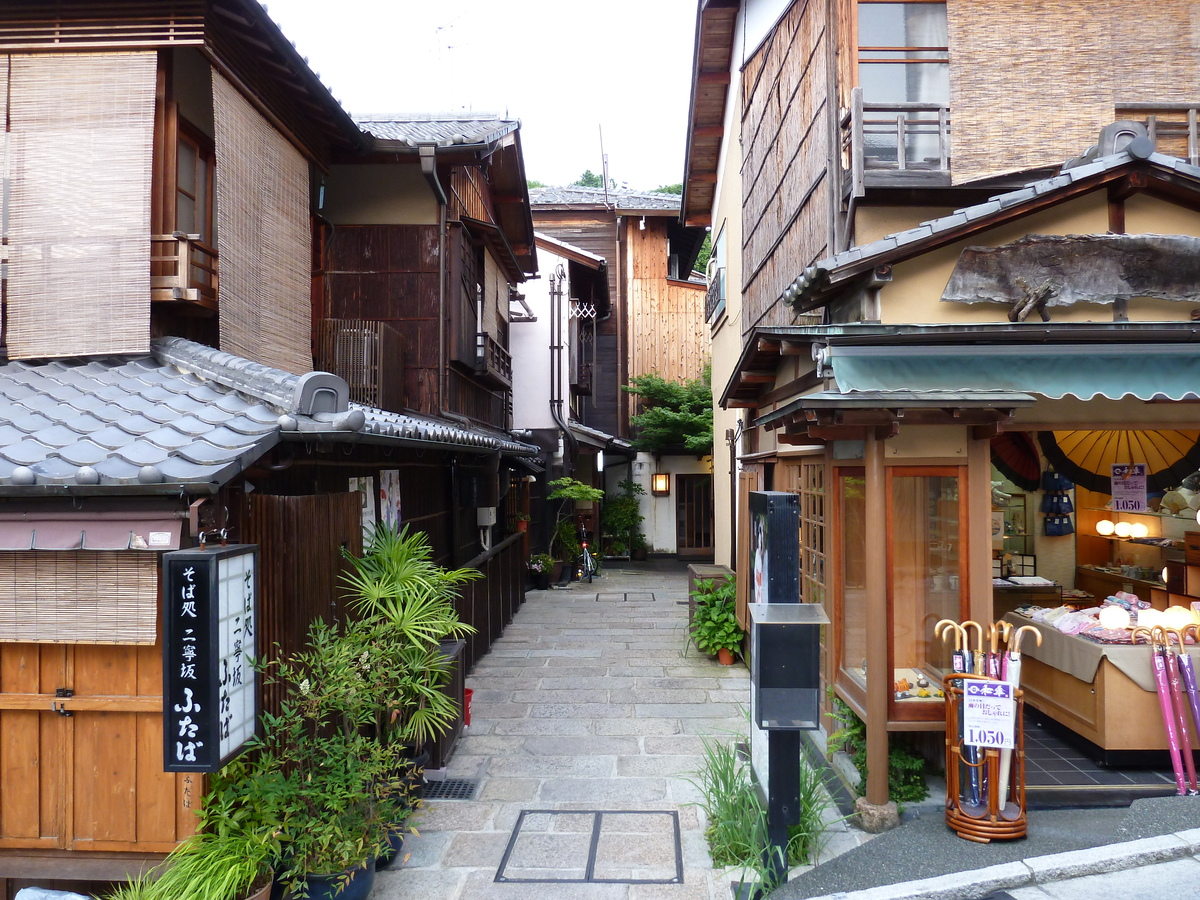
[(530, 184), (669, 189), (589, 179), (674, 414), (704, 254)]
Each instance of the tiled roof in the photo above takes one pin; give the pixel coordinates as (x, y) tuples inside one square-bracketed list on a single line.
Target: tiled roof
[(185, 417), (818, 274), (445, 130), (618, 198)]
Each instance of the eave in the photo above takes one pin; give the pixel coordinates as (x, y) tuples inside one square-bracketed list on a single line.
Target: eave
[(716, 23)]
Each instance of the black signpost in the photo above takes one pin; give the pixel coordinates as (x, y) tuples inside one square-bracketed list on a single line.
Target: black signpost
[(785, 639), (210, 600)]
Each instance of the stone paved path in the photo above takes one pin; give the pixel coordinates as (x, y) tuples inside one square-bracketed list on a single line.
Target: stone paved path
[(584, 705)]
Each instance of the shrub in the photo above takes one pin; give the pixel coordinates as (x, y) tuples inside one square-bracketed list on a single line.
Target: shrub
[(906, 769), (714, 623)]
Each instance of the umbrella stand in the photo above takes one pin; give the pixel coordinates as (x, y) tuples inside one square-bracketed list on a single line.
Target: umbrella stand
[(975, 666), (1159, 662)]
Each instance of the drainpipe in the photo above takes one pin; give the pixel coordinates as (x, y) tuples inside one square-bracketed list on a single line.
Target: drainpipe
[(557, 280), (428, 153)]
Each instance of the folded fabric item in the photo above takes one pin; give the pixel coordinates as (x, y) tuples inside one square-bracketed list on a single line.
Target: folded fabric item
[(1051, 616), (1108, 635), (1029, 579), (1075, 622), (1029, 610)]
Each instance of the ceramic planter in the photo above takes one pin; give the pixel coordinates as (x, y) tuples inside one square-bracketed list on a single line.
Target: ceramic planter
[(395, 848), (725, 657), (328, 887)]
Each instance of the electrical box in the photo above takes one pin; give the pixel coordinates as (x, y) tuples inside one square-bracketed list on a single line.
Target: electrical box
[(486, 516), (785, 671)]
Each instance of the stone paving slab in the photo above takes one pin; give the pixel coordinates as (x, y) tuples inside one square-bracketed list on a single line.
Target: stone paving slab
[(582, 706)]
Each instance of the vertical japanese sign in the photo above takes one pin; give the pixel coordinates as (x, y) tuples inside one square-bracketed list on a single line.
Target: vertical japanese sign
[(1129, 487), (210, 599)]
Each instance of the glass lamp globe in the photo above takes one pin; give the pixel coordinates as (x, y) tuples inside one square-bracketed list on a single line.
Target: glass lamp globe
[(1105, 527), (1139, 530), (1122, 529)]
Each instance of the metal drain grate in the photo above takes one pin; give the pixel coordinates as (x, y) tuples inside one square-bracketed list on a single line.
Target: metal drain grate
[(593, 846), (451, 789), (627, 597)]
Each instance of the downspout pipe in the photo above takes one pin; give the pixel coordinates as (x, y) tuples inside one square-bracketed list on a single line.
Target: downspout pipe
[(557, 280), (428, 156)]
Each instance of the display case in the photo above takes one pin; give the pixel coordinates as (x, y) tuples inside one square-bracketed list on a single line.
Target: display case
[(1019, 522)]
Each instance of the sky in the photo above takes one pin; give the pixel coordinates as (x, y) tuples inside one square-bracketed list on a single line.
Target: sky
[(572, 72)]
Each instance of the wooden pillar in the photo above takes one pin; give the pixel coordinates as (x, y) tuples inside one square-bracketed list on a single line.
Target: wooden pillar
[(978, 556), (879, 673)]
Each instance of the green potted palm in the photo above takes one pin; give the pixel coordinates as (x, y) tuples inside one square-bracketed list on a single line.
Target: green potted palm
[(714, 625)]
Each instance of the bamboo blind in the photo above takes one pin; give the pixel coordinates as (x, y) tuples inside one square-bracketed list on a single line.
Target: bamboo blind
[(1038, 90), (78, 166), (79, 597), (262, 237)]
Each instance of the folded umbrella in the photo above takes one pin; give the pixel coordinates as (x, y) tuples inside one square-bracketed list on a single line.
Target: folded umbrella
[(1159, 662), (1174, 670), (1011, 674)]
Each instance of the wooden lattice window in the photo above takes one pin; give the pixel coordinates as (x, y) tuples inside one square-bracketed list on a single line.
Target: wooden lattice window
[(812, 531), (79, 597)]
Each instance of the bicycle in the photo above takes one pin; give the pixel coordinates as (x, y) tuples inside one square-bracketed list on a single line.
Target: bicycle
[(587, 567)]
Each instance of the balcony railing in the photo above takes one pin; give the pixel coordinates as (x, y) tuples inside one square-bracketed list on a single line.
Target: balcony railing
[(581, 381), (492, 361), (368, 355), (1172, 126), (894, 137), (183, 269)]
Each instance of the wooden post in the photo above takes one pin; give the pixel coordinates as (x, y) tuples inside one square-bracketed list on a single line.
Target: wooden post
[(879, 673), (978, 553)]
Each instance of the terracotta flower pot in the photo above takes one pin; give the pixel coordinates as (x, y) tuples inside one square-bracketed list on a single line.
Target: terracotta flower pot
[(725, 657)]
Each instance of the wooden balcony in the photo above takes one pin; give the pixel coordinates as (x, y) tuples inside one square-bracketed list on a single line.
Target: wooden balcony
[(368, 355), (1172, 126), (908, 142), (183, 269), (492, 362)]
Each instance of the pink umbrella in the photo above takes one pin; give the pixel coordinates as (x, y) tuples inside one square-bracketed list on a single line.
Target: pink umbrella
[(1161, 681), (1175, 663)]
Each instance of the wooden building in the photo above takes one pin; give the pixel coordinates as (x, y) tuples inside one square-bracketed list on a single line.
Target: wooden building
[(879, 182), (192, 219), (653, 324)]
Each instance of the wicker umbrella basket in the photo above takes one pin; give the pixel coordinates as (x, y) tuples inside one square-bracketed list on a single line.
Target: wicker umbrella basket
[(993, 818)]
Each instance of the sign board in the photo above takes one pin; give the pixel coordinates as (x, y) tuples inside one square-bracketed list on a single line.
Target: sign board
[(210, 629), (1129, 487), (774, 547), (989, 714)]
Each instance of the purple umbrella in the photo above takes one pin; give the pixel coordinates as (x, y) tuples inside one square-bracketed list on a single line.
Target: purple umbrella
[(1158, 659)]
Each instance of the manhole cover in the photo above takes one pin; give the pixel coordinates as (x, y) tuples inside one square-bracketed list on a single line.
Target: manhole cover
[(627, 597), (451, 789), (579, 846)]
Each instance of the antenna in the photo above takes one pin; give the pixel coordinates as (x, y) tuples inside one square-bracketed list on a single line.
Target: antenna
[(603, 165)]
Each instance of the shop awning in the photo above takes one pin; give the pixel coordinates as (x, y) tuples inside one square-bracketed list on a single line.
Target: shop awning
[(1147, 372), (153, 531)]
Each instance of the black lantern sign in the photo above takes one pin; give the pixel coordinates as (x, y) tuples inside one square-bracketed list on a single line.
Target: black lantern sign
[(210, 597)]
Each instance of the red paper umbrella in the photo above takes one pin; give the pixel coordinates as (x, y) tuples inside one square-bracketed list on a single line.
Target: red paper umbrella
[(1016, 455)]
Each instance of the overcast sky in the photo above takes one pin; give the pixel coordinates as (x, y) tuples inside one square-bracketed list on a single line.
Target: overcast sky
[(566, 69)]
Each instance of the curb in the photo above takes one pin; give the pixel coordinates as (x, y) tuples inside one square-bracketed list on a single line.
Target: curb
[(978, 883)]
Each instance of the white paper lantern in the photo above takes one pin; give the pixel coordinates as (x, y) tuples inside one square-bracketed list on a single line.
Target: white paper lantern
[(1105, 527), (1114, 617), (1149, 618), (1122, 529), (1139, 530)]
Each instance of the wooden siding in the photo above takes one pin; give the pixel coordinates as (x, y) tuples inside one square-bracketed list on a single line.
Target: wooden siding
[(39, 25), (389, 273), (1055, 103), (469, 195), (667, 335), (787, 176)]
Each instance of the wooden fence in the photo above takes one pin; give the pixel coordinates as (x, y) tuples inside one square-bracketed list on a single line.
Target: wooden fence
[(489, 603)]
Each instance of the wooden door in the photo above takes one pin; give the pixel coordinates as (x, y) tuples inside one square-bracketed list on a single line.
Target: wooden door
[(93, 779), (694, 517)]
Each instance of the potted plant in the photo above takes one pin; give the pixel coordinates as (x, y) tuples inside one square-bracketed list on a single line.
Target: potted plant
[(638, 547), (540, 567), (714, 625), (520, 521), (622, 516), (206, 867)]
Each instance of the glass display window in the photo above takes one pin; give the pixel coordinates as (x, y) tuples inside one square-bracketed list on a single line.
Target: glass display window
[(927, 541), (851, 585)]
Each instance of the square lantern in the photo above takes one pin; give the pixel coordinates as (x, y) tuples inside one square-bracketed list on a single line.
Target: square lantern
[(785, 671), (660, 484), (209, 605)]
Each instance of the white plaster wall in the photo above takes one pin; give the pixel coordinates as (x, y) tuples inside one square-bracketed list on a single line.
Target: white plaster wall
[(379, 195), (529, 343), (659, 526)]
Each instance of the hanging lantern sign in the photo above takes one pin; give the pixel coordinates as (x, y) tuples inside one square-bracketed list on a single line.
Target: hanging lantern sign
[(210, 598)]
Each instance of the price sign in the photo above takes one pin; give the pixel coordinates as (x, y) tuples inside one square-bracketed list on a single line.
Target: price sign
[(989, 714), (1129, 487)]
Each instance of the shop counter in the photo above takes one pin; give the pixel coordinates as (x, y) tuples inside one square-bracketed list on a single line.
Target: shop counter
[(1103, 692)]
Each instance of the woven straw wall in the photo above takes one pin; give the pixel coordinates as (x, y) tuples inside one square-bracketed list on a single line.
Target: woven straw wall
[(79, 597), (263, 237), (79, 165), (1036, 88)]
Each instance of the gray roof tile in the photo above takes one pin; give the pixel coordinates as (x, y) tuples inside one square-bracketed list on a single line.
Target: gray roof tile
[(148, 421), (620, 198), (445, 129)]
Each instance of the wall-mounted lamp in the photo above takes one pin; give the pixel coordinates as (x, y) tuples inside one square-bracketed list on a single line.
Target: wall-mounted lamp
[(660, 484)]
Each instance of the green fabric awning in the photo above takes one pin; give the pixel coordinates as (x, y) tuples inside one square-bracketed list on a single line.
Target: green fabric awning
[(1170, 372)]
